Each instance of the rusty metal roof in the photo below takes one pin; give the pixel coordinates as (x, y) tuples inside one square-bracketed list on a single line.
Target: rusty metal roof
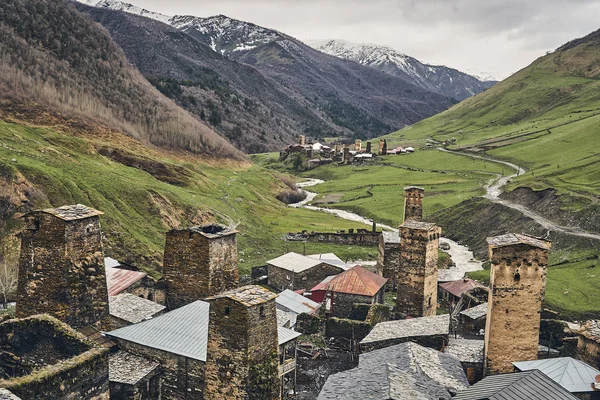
[(72, 212), (357, 280), (118, 279), (457, 288), (511, 239)]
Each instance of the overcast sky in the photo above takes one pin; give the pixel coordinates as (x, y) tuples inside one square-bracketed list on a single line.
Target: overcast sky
[(495, 37)]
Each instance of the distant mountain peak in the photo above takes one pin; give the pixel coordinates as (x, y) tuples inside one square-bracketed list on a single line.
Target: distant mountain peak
[(127, 7), (437, 78)]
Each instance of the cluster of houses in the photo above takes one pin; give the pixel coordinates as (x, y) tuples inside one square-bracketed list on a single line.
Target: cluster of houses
[(89, 327)]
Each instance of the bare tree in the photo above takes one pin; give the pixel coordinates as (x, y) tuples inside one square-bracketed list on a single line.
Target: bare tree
[(8, 280)]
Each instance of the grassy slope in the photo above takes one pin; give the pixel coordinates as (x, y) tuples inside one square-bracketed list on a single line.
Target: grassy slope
[(139, 209)]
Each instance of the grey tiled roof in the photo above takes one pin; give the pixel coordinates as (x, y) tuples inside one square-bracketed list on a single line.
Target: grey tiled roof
[(412, 224), (530, 385), (510, 239), (212, 231), (405, 328), (73, 212), (476, 312), (183, 331), (573, 375), (250, 295), (466, 350), (124, 367), (402, 372), (132, 308), (5, 394)]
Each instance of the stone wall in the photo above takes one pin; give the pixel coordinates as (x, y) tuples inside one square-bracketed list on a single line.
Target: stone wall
[(360, 237), (61, 270), (343, 302), (282, 279), (517, 282), (388, 262), (182, 377), (196, 266), (50, 361), (417, 277), (242, 360)]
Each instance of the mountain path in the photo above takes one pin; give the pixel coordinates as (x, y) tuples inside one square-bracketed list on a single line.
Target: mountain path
[(494, 190)]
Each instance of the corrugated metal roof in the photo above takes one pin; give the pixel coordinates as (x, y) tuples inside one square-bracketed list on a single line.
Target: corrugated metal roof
[(118, 279), (511, 239), (530, 385), (331, 259), (183, 331), (296, 302), (294, 262), (285, 335), (132, 308), (457, 288), (111, 262), (357, 280), (476, 312), (574, 375)]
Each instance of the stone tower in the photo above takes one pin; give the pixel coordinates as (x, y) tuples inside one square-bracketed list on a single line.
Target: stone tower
[(199, 262), (382, 147), (417, 277), (302, 140), (242, 353), (347, 156), (358, 145), (368, 150), (61, 267), (517, 286), (413, 203)]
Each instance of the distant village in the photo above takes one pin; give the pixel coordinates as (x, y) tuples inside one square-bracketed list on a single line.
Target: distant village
[(301, 327), (318, 153)]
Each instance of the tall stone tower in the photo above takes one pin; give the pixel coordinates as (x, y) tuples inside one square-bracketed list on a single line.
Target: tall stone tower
[(199, 262), (368, 150), (417, 277), (382, 147), (61, 267), (302, 140), (347, 156), (242, 353), (413, 203), (517, 287), (358, 145)]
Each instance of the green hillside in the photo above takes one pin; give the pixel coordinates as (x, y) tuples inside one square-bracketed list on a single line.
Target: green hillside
[(145, 192)]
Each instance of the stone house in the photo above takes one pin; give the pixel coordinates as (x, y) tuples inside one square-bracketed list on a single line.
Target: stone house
[(470, 354), (126, 309), (432, 332), (453, 291), (45, 359), (388, 259), (588, 343), (133, 377), (294, 271), (356, 285), (189, 347), (138, 283), (472, 320)]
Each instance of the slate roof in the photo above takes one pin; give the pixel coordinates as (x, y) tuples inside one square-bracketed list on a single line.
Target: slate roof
[(414, 187), (406, 328), (72, 212), (118, 279), (357, 280), (457, 288), (573, 375), (210, 231), (111, 262), (420, 225), (250, 295), (591, 330), (476, 312), (529, 385), (183, 331), (292, 301), (402, 372), (127, 368), (294, 262), (132, 308), (6, 394), (466, 350), (511, 239)]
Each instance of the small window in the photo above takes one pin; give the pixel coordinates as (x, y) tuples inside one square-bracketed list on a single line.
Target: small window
[(517, 277), (227, 311), (261, 311)]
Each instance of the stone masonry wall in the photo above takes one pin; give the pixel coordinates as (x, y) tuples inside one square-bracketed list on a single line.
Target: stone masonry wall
[(343, 302), (61, 271), (182, 377), (388, 262), (282, 279), (363, 238), (417, 274), (242, 351), (413, 204), (196, 267), (517, 281)]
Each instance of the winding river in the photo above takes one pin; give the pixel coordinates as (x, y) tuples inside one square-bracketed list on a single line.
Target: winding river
[(461, 255)]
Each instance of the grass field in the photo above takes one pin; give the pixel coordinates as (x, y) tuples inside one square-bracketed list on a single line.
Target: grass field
[(139, 208)]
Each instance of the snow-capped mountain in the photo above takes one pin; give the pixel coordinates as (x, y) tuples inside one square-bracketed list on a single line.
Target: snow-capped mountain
[(440, 79), (126, 7)]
